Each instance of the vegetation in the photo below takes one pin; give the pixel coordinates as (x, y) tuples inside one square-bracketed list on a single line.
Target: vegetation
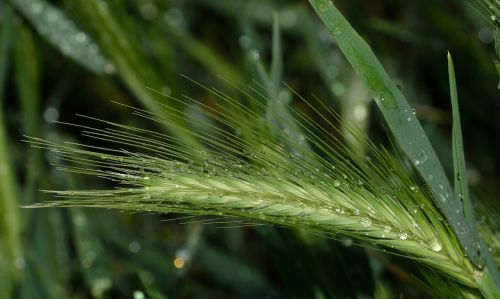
[(249, 127)]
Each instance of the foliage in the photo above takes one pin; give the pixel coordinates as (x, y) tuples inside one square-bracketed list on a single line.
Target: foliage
[(288, 177)]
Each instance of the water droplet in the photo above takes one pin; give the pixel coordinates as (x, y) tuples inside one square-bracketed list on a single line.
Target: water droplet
[(409, 119), (442, 198), (20, 263), (366, 222), (139, 294), (337, 31), (254, 54), (134, 247), (109, 68), (323, 5), (413, 111), (422, 157), (386, 228), (51, 114), (174, 17), (336, 183), (347, 242), (356, 211), (493, 18), (403, 236), (435, 244)]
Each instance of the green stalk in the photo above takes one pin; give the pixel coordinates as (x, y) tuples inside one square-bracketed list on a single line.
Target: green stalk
[(10, 220), (487, 284)]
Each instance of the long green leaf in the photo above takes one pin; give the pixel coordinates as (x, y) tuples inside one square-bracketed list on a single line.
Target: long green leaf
[(277, 56), (10, 224), (403, 124), (59, 30), (489, 280), (461, 187)]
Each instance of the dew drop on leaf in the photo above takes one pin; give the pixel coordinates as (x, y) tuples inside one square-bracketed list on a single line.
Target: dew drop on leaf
[(323, 5), (366, 222), (347, 242), (435, 244), (403, 236)]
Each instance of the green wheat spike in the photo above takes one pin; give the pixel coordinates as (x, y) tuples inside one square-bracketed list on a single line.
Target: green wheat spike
[(373, 198)]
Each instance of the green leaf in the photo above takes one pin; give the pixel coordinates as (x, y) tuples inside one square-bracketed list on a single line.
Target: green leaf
[(277, 54), (398, 114), (52, 24), (10, 223), (461, 187), (27, 79)]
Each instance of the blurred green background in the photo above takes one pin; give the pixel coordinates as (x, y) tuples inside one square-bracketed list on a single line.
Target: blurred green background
[(63, 58)]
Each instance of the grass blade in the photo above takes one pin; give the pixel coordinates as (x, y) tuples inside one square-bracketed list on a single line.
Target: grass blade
[(489, 280), (461, 183), (277, 54), (10, 225), (402, 123), (60, 31)]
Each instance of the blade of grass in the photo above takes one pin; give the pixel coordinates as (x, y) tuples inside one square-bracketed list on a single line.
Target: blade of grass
[(277, 55), (282, 123), (48, 237), (26, 74), (461, 183), (10, 223), (489, 279), (60, 31), (403, 124)]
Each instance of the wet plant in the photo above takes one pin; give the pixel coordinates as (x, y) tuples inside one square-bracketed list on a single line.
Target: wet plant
[(261, 156), (244, 175)]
